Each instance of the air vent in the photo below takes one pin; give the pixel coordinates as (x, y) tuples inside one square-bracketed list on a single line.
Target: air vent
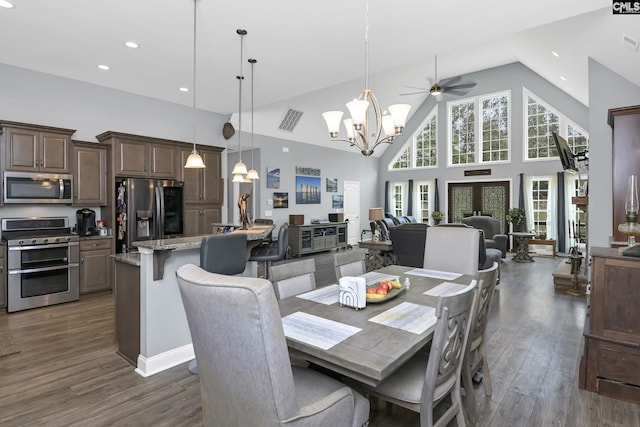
[(629, 42), (290, 120)]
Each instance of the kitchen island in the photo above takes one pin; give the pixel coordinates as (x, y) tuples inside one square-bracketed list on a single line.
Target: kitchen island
[(164, 339)]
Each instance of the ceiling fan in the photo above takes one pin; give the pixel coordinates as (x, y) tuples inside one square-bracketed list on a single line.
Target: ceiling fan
[(449, 86)]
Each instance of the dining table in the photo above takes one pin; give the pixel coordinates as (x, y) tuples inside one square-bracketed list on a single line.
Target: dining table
[(368, 344)]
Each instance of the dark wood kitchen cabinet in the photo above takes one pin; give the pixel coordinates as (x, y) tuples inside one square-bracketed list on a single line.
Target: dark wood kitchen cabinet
[(89, 174), (204, 191), (95, 264), (141, 159), (3, 278), (141, 156), (34, 148)]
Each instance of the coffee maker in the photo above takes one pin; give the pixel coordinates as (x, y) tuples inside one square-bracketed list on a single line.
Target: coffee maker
[(85, 222)]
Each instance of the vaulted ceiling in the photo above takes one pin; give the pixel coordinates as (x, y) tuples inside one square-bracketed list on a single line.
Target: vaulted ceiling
[(311, 54)]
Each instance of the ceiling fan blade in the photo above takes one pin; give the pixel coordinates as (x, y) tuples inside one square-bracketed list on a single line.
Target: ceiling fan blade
[(450, 81), (416, 93), (456, 92), (462, 86), (417, 87)]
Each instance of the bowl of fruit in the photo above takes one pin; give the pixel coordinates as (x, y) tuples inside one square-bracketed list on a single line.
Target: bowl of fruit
[(384, 291)]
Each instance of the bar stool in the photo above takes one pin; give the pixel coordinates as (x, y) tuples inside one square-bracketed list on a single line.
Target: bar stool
[(272, 251)]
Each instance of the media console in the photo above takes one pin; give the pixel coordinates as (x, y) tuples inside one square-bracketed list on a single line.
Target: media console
[(310, 238)]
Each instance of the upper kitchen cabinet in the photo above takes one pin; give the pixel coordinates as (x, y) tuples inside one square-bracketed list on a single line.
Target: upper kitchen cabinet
[(90, 174), (35, 148), (141, 156), (203, 185)]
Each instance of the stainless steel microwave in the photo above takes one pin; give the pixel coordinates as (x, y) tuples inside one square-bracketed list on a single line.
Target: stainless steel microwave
[(34, 187)]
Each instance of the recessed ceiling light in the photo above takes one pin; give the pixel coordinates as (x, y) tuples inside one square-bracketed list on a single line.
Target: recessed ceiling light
[(563, 78), (6, 4), (132, 45), (184, 89), (103, 67), (554, 53)]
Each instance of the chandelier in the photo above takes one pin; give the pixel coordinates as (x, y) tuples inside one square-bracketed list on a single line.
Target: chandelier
[(363, 131)]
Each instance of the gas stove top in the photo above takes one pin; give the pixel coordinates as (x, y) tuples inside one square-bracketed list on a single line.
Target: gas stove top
[(36, 231)]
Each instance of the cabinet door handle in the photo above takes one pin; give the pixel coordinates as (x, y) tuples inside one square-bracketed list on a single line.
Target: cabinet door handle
[(82, 260)]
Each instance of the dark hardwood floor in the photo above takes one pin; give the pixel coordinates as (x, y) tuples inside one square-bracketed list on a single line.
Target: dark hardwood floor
[(68, 373)]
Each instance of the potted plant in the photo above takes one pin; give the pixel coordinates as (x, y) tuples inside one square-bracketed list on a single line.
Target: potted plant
[(437, 216), (516, 217)]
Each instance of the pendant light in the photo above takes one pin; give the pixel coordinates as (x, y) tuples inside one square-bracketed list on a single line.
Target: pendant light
[(240, 168), (194, 161), (252, 174)]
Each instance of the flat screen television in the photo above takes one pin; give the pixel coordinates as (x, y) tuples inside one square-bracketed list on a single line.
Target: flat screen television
[(567, 158)]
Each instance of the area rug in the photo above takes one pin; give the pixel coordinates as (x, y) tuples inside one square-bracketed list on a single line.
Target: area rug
[(7, 346)]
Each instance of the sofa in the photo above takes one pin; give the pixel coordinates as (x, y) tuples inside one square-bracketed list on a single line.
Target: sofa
[(408, 243), (493, 237)]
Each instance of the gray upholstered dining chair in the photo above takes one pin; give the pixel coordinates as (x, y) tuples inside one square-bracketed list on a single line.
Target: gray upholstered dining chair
[(293, 278), (453, 249), (224, 254), (349, 263), (475, 357), (431, 375), (245, 375)]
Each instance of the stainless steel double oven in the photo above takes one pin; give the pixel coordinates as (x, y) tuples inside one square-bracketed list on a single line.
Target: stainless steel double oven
[(42, 262)]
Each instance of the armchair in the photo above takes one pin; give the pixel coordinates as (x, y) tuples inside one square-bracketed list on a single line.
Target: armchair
[(493, 236)]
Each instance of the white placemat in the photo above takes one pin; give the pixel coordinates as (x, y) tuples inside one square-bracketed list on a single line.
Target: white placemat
[(326, 295), (445, 288), (316, 331), (407, 316), (436, 274)]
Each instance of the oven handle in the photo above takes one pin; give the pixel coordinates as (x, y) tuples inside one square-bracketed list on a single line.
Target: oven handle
[(38, 270), (45, 246)]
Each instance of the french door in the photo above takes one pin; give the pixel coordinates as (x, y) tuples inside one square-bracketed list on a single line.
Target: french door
[(479, 198)]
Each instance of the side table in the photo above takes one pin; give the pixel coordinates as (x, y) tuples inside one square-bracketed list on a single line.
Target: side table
[(521, 245), (379, 254)]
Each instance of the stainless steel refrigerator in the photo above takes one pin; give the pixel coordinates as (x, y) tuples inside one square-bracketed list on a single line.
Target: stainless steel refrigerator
[(147, 209)]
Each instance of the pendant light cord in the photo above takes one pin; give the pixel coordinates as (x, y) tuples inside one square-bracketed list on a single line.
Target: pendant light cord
[(366, 46), (252, 61), (240, 78), (194, 75)]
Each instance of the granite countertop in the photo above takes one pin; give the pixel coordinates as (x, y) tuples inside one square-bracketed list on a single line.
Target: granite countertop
[(257, 232), (132, 258)]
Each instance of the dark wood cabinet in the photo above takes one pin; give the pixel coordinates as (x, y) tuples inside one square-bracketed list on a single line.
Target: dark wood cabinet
[(127, 307), (625, 124), (610, 363), (90, 174), (34, 148), (3, 278), (95, 265), (204, 191), (143, 159)]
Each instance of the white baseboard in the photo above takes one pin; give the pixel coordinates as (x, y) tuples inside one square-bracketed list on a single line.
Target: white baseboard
[(163, 361)]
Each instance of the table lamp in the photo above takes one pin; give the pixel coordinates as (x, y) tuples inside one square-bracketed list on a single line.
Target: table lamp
[(376, 214), (631, 205)]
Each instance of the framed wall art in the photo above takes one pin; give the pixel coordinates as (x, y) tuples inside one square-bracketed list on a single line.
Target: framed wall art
[(280, 200), (308, 190), (273, 177), (332, 185)]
